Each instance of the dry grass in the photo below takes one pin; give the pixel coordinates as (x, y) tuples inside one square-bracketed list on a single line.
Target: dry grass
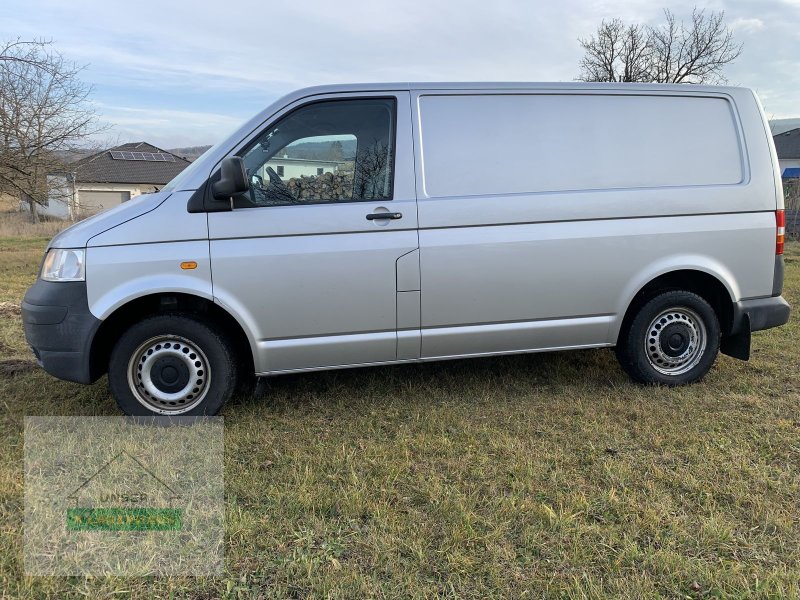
[(8, 202), (9, 310), (17, 224), (15, 366), (520, 477)]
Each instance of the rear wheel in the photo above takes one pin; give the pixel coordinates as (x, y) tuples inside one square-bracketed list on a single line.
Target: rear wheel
[(172, 365), (673, 339)]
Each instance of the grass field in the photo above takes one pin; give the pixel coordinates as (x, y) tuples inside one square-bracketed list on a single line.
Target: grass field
[(520, 477)]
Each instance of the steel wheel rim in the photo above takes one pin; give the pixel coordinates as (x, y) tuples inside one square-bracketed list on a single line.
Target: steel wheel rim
[(661, 346), (153, 358)]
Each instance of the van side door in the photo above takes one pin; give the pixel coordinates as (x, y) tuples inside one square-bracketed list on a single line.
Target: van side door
[(308, 260)]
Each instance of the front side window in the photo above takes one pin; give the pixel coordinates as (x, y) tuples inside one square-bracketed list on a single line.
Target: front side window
[(326, 152)]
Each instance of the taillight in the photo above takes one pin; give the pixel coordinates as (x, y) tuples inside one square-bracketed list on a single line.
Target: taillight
[(780, 231)]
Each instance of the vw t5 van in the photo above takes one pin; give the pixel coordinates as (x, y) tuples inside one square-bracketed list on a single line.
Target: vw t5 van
[(365, 225)]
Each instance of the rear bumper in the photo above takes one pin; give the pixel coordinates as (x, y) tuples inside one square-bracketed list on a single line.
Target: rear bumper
[(60, 328), (753, 315), (760, 313)]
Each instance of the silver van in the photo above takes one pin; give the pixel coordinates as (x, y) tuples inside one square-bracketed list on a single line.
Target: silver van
[(364, 225)]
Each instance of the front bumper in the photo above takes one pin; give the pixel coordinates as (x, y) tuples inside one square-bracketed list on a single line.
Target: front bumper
[(60, 328)]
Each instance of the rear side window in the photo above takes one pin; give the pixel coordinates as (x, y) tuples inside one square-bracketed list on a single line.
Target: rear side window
[(506, 144), (329, 151)]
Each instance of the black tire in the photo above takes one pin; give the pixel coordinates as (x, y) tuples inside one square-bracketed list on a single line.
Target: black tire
[(673, 339), (189, 367)]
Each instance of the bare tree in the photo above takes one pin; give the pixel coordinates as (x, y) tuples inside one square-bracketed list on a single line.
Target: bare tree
[(44, 115), (673, 52), (618, 53), (370, 171), (28, 52)]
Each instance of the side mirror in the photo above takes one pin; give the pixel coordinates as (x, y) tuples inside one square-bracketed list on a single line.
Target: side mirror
[(233, 179)]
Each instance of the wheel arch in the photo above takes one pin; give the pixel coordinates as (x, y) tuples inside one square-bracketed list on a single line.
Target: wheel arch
[(705, 284), (147, 305)]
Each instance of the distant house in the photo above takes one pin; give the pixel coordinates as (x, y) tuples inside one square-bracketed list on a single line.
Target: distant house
[(109, 178), (787, 145), (287, 167)]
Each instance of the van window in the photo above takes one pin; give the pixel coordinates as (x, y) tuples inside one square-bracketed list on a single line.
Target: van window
[(330, 151), (520, 143)]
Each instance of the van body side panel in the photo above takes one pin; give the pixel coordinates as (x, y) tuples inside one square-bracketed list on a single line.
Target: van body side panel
[(317, 284), (313, 300), (408, 306), (560, 253), (143, 255), (118, 274), (168, 222), (582, 274), (496, 144), (408, 325)]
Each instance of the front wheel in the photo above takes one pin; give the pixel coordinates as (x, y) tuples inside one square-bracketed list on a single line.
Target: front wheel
[(172, 365), (672, 340)]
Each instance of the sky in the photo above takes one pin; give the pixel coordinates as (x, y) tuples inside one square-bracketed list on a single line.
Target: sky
[(179, 73)]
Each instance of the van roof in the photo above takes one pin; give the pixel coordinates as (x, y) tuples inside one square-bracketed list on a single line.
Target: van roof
[(510, 85)]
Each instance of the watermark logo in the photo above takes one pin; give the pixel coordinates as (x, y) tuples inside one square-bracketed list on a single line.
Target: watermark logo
[(115, 496), (124, 495), (123, 519)]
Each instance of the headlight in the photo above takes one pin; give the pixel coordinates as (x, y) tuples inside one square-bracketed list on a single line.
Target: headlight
[(63, 265)]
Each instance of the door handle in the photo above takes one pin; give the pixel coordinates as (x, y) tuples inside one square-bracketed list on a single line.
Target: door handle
[(384, 215)]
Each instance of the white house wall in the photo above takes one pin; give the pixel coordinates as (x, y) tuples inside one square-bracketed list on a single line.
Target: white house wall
[(61, 196), (789, 163), (59, 193), (298, 168)]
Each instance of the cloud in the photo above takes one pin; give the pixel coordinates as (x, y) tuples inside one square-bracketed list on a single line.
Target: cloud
[(164, 127), (748, 25)]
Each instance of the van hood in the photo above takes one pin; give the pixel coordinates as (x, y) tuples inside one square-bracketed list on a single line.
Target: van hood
[(79, 234)]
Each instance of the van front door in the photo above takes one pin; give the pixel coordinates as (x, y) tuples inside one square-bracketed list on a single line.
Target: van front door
[(308, 260)]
